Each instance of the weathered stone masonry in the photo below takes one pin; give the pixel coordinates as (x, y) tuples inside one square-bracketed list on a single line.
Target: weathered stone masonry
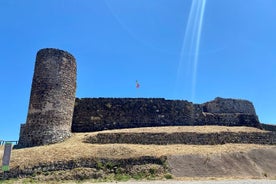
[(52, 103), (195, 138), (52, 99), (94, 114)]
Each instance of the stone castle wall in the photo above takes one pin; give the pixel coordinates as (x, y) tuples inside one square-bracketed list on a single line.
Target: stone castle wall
[(94, 114), (162, 138), (54, 112), (268, 127), (52, 99), (222, 105)]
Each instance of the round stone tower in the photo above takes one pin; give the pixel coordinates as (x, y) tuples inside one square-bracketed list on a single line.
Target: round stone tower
[(52, 99)]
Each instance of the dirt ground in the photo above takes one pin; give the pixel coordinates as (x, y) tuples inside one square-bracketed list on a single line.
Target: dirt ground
[(70, 149), (198, 182), (185, 161), (197, 129), (1, 152), (256, 163)]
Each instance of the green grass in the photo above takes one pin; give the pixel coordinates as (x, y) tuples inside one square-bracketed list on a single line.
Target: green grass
[(168, 176), (122, 177)]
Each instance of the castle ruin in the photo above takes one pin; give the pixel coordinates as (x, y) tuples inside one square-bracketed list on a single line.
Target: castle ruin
[(52, 99), (54, 112)]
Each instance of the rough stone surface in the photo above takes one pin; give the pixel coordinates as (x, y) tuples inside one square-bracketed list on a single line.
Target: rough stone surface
[(163, 138), (223, 105), (52, 99), (106, 164), (268, 127), (94, 114)]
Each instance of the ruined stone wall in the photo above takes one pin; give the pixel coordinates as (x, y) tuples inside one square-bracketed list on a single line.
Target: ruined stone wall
[(52, 99), (50, 115), (222, 105), (268, 127), (94, 114), (97, 167), (162, 138)]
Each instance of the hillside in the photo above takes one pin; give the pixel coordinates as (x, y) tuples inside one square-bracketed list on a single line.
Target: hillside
[(76, 159)]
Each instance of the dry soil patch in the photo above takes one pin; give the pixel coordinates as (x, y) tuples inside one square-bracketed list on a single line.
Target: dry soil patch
[(253, 163)]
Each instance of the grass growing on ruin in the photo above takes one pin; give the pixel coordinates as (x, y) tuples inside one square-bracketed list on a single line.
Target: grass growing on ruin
[(105, 173), (75, 148), (197, 129)]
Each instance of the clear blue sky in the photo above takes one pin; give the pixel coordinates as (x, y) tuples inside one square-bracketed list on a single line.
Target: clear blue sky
[(117, 42)]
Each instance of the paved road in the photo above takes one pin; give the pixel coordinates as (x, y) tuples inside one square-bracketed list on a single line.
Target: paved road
[(199, 182)]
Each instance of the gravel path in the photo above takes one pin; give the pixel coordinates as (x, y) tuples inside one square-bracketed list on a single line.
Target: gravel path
[(200, 182)]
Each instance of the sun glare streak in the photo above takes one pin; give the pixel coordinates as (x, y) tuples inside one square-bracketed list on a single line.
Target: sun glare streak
[(188, 62), (198, 37)]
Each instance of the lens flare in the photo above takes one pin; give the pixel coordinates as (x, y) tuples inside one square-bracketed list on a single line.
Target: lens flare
[(188, 62)]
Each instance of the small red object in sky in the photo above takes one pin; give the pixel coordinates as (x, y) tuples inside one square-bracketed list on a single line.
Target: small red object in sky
[(137, 84)]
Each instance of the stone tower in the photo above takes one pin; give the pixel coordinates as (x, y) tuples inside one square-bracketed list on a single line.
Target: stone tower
[(52, 99)]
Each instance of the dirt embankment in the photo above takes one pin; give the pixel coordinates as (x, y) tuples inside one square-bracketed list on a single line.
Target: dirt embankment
[(76, 159), (255, 163)]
